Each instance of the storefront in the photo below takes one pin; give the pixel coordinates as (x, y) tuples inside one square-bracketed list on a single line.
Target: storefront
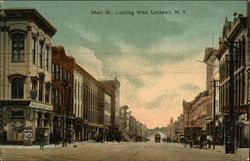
[(21, 121)]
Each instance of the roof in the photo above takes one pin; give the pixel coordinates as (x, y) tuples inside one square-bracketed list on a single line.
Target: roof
[(28, 14)]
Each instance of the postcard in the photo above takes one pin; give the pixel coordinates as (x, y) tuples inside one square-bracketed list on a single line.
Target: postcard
[(132, 80)]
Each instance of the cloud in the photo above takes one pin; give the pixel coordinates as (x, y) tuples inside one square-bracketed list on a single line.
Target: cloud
[(88, 60), (87, 34), (189, 86), (154, 57), (159, 100), (155, 89)]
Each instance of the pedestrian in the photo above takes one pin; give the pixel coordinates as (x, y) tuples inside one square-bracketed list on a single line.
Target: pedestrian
[(41, 137), (56, 138)]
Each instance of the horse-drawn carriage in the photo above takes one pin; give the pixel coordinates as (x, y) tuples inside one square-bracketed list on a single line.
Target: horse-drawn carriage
[(195, 138)]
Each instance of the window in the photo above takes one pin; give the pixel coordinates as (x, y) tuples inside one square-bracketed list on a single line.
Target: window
[(17, 47), (47, 59), (41, 82), (59, 73), (34, 89), (47, 94), (57, 98), (78, 91), (67, 76), (34, 50), (17, 115), (63, 75), (53, 98), (56, 72), (53, 71), (75, 89), (40, 53), (34, 84), (17, 87)]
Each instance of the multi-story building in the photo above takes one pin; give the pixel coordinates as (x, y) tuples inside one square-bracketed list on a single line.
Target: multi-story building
[(194, 115), (170, 130), (132, 127), (233, 44), (113, 86), (107, 113), (32, 80), (138, 131), (212, 84), (93, 101), (62, 94), (124, 118), (25, 76), (78, 108), (144, 132)]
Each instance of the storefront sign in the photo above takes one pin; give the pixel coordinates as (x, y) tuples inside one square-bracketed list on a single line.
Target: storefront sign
[(41, 106), (14, 103), (27, 133)]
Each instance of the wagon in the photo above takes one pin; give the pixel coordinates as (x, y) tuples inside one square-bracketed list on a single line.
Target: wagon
[(192, 137)]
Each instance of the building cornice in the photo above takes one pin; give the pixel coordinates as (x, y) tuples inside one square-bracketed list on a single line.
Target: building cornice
[(29, 14)]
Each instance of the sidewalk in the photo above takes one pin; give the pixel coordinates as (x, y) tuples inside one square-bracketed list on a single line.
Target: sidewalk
[(46, 146), (240, 151)]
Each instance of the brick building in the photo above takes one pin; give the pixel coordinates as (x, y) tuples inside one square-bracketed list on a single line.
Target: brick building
[(195, 114), (62, 93)]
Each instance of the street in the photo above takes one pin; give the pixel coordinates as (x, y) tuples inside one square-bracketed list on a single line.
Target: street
[(89, 151)]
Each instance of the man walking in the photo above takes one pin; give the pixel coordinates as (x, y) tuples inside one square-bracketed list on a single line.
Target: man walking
[(42, 138)]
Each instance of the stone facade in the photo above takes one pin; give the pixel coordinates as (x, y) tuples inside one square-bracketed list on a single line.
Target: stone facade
[(26, 111)]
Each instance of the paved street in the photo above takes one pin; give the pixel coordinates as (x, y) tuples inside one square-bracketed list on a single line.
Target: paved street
[(149, 151)]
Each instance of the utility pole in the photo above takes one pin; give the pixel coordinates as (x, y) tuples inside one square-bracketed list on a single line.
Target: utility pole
[(248, 72), (230, 121), (65, 112), (214, 107)]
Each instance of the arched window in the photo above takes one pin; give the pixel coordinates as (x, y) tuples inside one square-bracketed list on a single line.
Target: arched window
[(17, 86), (33, 93), (34, 84), (47, 94), (41, 86), (17, 47)]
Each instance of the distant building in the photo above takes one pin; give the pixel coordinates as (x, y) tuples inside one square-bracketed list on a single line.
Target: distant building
[(195, 114), (124, 118), (113, 86), (132, 127), (107, 111), (212, 83)]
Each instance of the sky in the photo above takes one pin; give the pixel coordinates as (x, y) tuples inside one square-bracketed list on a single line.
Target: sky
[(155, 57)]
